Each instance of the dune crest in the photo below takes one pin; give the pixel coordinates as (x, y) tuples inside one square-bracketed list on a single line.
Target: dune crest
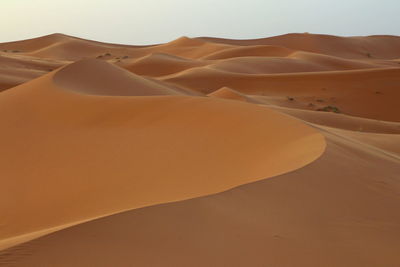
[(160, 64), (229, 93), (88, 144), (348, 47), (280, 151), (96, 77)]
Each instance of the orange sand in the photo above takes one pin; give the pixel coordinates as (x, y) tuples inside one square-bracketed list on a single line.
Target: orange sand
[(117, 155)]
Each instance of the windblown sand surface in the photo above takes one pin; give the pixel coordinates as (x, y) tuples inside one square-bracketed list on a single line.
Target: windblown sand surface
[(282, 151)]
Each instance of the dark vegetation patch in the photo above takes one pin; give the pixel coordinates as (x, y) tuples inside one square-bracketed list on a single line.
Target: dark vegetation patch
[(330, 109)]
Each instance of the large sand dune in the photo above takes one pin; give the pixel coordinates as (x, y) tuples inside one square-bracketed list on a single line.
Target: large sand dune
[(281, 151)]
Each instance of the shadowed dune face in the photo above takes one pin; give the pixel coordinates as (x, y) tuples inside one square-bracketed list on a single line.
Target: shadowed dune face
[(228, 93), (375, 97), (34, 43), (160, 64), (112, 154), (255, 51), (16, 69), (385, 47), (316, 215), (156, 148), (95, 77)]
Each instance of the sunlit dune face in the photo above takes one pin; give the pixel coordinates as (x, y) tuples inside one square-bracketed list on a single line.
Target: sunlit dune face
[(156, 149), (280, 151)]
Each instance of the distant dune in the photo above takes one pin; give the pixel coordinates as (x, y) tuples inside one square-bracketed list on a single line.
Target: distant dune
[(281, 151)]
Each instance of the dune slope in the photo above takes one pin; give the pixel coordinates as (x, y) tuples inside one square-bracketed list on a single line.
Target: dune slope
[(96, 77), (316, 215), (379, 46), (342, 89), (281, 151), (84, 153)]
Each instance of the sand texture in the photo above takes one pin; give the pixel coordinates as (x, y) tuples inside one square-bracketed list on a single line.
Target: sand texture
[(282, 151)]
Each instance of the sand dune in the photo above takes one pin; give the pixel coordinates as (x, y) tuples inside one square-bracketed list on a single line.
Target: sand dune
[(297, 62), (33, 44), (339, 121), (281, 151), (73, 141), (189, 48), (314, 215), (258, 50), (229, 93), (95, 77), (40, 43), (160, 64), (348, 47), (341, 89), (16, 69)]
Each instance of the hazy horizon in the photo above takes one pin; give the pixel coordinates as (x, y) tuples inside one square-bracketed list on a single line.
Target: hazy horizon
[(151, 22)]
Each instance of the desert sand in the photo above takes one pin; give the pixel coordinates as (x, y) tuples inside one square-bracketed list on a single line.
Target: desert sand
[(282, 151)]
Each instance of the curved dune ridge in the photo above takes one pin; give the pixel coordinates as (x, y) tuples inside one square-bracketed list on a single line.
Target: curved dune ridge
[(281, 151), (228, 93), (379, 46), (318, 215), (160, 64), (97, 154), (255, 51), (311, 90), (95, 77)]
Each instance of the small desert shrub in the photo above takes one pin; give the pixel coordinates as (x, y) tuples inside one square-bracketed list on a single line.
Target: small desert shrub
[(290, 98), (330, 109)]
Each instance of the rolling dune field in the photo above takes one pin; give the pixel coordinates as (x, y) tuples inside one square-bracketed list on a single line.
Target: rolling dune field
[(282, 152)]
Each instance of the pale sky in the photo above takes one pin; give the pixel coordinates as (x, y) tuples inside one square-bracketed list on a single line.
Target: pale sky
[(156, 21)]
